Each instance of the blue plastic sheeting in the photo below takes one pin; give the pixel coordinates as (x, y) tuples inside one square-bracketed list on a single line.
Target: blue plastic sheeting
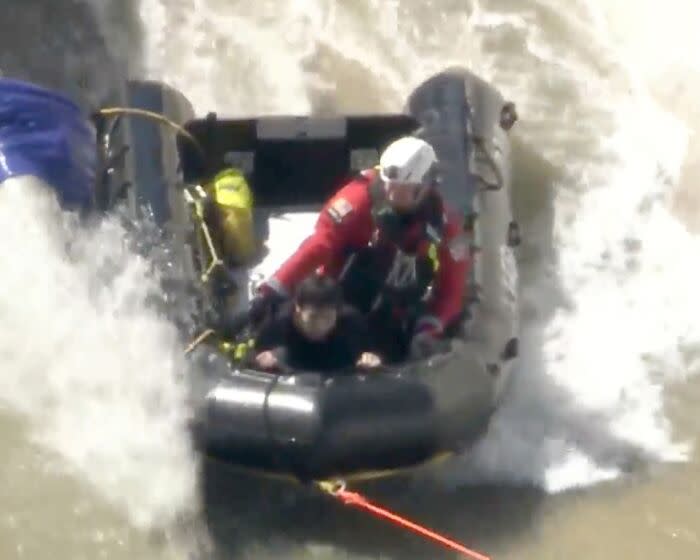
[(46, 135)]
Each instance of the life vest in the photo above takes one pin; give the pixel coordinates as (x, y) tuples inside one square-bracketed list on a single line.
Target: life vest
[(385, 272)]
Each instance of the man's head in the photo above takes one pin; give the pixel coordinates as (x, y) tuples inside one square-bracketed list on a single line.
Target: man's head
[(316, 305), (408, 167)]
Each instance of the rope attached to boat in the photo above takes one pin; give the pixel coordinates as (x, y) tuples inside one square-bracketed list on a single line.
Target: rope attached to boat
[(215, 260), (151, 115), (109, 111), (197, 341), (338, 490), (198, 216)]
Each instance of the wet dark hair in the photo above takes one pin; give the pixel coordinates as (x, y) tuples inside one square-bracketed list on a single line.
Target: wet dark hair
[(318, 291)]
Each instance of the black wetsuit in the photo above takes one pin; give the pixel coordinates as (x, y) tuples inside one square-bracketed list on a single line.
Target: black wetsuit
[(339, 350)]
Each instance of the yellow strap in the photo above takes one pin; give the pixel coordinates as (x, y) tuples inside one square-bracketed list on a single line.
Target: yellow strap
[(237, 350), (433, 256), (243, 348), (332, 487), (361, 476)]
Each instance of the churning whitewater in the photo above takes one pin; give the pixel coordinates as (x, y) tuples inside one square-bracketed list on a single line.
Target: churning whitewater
[(96, 373), (609, 292)]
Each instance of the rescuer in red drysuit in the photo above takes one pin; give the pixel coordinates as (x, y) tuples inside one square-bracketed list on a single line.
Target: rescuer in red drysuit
[(388, 237)]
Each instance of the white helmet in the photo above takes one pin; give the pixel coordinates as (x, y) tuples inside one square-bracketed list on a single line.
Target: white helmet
[(408, 160)]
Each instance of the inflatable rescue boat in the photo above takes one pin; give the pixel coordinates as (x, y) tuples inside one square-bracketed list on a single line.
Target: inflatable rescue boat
[(161, 166)]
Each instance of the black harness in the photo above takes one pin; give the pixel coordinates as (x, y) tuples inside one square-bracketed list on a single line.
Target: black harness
[(385, 275)]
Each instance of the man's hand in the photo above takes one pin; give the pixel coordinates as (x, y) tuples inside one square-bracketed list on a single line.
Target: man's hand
[(369, 360), (266, 360)]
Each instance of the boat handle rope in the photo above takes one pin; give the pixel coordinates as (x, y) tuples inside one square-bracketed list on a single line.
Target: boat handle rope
[(198, 216), (197, 341), (158, 117), (338, 489), (132, 111), (151, 115)]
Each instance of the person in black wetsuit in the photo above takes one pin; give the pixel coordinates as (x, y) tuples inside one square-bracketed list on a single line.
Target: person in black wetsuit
[(315, 332)]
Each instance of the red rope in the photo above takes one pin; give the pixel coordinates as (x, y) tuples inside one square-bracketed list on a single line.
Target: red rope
[(354, 499)]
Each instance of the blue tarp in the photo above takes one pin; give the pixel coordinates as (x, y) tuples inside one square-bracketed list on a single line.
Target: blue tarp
[(46, 135)]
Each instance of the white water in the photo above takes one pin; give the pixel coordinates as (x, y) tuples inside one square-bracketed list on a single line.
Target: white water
[(96, 374)]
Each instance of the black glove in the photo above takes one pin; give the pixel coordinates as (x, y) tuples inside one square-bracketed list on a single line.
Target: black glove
[(425, 344), (224, 282), (263, 305), (231, 324)]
